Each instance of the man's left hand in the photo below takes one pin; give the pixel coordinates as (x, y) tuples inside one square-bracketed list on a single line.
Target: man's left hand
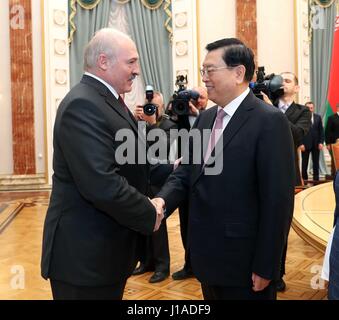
[(259, 283)]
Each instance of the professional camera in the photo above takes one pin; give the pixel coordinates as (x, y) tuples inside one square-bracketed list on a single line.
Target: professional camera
[(271, 85), (182, 97), (149, 108)]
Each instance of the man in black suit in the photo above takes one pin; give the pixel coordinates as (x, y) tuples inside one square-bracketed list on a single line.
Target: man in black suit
[(332, 134), (312, 143), (98, 207), (156, 256), (299, 119), (239, 215)]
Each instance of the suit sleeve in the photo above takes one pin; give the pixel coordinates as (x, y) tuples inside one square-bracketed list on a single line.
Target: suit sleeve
[(276, 179), (301, 127), (328, 132), (176, 188), (321, 132), (88, 148)]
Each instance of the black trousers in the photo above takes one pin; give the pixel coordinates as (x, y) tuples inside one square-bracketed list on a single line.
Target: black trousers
[(315, 160), (183, 217), (155, 253), (238, 293), (66, 291)]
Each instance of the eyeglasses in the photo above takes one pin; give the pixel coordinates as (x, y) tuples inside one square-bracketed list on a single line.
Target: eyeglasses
[(209, 71)]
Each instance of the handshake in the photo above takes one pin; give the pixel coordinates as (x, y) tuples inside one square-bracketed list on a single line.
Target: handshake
[(159, 205)]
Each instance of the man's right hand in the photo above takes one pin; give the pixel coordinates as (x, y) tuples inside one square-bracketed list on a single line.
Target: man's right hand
[(159, 205), (140, 115), (302, 148), (266, 98)]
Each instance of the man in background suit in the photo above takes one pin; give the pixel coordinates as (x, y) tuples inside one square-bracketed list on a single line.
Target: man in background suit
[(239, 218), (156, 256), (299, 119), (98, 207), (312, 143), (186, 122), (332, 134)]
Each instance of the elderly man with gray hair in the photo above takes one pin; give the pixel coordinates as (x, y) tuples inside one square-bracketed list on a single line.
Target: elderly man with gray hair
[(98, 207)]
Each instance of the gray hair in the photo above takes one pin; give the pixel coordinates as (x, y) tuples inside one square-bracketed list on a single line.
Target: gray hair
[(105, 41)]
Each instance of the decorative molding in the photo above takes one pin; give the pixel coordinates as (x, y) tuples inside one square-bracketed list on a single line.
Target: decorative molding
[(181, 19), (59, 17), (56, 67), (185, 60), (181, 48), (61, 76), (60, 47), (303, 49)]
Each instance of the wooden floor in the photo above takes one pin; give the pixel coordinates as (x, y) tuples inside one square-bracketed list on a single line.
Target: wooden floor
[(20, 250)]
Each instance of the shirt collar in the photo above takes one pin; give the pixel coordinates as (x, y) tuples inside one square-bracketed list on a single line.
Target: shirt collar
[(110, 88), (282, 103), (232, 107)]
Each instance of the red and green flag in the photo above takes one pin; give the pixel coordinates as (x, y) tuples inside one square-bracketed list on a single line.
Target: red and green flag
[(333, 85)]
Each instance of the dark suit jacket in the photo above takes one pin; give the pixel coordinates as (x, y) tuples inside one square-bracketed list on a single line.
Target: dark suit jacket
[(239, 219), (97, 207), (299, 118), (315, 135), (332, 129)]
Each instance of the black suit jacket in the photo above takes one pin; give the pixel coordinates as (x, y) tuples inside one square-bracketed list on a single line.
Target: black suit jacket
[(315, 135), (332, 129), (299, 118), (239, 219), (97, 207)]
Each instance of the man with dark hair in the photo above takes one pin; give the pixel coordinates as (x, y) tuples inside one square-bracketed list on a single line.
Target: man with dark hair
[(239, 217), (312, 143), (299, 119)]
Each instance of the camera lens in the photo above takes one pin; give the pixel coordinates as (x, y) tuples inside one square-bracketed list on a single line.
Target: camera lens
[(149, 109)]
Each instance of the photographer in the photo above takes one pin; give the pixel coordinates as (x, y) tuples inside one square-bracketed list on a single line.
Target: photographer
[(155, 256), (299, 118)]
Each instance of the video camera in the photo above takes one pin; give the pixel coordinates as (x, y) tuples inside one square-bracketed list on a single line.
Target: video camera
[(271, 85), (149, 108), (182, 97)]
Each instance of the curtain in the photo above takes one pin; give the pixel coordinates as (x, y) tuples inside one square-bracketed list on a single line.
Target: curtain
[(321, 53), (87, 22), (148, 30)]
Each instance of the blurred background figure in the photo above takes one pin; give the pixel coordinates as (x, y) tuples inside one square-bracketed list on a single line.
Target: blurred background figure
[(155, 254), (312, 143)]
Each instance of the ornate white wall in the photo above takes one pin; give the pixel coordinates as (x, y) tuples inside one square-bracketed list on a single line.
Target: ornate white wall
[(56, 69), (303, 49), (185, 61)]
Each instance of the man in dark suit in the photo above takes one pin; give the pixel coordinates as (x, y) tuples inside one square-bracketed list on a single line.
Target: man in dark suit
[(155, 255), (312, 143), (186, 122), (332, 134), (239, 216), (299, 119), (98, 207)]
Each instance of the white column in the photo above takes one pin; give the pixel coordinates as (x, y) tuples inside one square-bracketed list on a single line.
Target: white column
[(185, 40), (56, 67)]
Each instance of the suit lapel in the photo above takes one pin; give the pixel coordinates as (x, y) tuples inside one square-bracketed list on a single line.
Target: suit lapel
[(111, 100)]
